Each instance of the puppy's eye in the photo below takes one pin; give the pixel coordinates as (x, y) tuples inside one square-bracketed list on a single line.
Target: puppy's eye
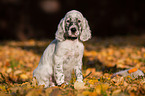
[(79, 21), (68, 21)]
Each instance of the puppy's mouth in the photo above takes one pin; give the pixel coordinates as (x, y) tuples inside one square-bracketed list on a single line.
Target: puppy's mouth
[(71, 38), (73, 35)]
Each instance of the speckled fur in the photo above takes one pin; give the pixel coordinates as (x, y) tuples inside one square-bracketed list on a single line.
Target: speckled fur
[(63, 55)]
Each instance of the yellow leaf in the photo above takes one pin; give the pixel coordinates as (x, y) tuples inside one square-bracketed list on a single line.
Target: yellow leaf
[(9, 70), (101, 87), (23, 76), (93, 81), (108, 78), (86, 92)]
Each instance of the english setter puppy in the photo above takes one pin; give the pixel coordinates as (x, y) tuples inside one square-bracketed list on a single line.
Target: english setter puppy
[(64, 54)]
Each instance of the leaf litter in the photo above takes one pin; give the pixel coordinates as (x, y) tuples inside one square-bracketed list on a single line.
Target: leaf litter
[(102, 59)]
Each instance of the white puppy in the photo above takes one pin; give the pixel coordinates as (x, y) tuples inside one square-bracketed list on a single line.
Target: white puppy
[(65, 53)]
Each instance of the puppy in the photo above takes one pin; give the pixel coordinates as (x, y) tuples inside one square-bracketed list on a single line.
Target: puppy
[(64, 54)]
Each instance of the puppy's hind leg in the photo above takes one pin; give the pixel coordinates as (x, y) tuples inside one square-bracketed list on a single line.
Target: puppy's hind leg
[(44, 81)]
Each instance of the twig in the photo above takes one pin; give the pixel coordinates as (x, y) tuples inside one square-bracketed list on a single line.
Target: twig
[(87, 75)]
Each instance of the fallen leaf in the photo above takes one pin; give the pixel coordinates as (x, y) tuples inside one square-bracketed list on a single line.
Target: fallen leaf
[(79, 85), (9, 70), (92, 70), (116, 92), (23, 76), (132, 70), (86, 93), (101, 88), (34, 92), (17, 72)]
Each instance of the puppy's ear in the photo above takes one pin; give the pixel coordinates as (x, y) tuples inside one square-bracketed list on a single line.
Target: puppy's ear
[(86, 32), (59, 35)]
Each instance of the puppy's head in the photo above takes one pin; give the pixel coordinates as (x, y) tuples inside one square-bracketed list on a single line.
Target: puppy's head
[(73, 26), (73, 23)]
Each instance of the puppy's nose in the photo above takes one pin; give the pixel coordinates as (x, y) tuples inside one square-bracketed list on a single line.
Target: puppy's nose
[(73, 30)]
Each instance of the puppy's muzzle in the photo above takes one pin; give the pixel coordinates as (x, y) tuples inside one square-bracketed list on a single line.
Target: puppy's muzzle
[(73, 30)]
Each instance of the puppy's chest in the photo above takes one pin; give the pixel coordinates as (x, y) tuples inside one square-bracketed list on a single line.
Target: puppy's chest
[(72, 52), (71, 56)]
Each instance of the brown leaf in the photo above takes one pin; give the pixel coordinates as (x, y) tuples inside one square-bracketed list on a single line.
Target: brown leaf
[(116, 92)]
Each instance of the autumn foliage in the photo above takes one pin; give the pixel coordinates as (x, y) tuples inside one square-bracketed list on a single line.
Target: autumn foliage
[(102, 58)]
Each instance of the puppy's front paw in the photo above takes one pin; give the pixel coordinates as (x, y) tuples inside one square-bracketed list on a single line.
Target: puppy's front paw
[(79, 80)]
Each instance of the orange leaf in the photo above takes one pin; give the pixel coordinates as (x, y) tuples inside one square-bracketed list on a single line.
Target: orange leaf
[(132, 70), (93, 70)]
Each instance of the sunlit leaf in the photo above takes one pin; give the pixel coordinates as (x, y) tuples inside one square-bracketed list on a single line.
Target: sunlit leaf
[(79, 85)]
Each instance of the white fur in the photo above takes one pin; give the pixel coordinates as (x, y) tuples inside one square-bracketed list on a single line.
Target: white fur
[(63, 55)]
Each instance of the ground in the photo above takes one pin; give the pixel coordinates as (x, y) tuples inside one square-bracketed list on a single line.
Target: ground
[(102, 58)]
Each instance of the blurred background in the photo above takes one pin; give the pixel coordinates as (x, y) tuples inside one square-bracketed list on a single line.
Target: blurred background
[(38, 19)]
